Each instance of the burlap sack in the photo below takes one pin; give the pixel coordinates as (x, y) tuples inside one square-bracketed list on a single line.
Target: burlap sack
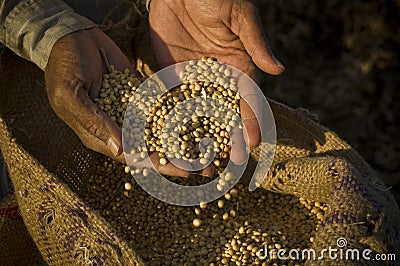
[(49, 167), (17, 246)]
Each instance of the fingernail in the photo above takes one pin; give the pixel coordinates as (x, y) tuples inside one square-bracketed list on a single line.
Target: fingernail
[(279, 63), (242, 162), (113, 147), (238, 158), (208, 172), (200, 173)]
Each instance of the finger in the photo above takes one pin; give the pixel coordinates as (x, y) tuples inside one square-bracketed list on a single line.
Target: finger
[(119, 60), (253, 136), (207, 171), (95, 128), (111, 58), (114, 54), (110, 55), (238, 151), (174, 51), (170, 169), (251, 108), (251, 33)]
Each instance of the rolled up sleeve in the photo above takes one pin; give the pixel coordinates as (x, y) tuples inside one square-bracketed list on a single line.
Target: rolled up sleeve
[(31, 27)]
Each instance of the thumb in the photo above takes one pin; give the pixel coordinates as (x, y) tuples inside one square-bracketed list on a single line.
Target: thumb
[(255, 41), (96, 129)]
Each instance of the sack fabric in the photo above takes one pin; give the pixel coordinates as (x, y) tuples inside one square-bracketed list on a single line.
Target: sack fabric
[(49, 166), (17, 246)]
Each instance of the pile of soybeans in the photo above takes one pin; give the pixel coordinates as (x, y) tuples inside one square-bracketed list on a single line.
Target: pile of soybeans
[(240, 228)]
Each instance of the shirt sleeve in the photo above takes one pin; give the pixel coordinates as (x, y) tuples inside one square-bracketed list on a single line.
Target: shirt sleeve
[(31, 27)]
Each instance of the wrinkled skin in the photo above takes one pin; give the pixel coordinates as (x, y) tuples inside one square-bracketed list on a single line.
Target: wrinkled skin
[(227, 30), (181, 30), (73, 79)]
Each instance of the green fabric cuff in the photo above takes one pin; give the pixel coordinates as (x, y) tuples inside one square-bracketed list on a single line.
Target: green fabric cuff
[(33, 26)]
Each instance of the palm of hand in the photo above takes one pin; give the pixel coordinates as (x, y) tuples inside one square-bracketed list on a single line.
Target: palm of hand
[(229, 31)]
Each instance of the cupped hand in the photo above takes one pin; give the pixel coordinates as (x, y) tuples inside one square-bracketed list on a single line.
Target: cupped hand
[(73, 79), (227, 30)]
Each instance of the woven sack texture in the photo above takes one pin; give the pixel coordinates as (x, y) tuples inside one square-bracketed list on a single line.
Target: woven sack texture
[(48, 167), (17, 246)]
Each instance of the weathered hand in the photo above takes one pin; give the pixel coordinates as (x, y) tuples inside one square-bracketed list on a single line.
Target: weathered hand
[(73, 79), (228, 30)]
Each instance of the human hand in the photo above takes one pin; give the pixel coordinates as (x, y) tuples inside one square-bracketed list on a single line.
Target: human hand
[(228, 30), (73, 79)]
